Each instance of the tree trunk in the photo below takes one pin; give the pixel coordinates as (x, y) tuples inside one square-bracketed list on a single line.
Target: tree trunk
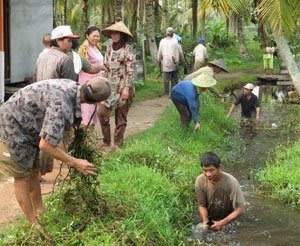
[(65, 12), (194, 17), (262, 34), (164, 18), (118, 10), (85, 14), (203, 24), (287, 57), (141, 8), (150, 34), (260, 26), (157, 15), (54, 13), (133, 25), (240, 31)]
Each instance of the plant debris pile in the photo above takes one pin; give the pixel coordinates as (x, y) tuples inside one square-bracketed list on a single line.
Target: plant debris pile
[(82, 196)]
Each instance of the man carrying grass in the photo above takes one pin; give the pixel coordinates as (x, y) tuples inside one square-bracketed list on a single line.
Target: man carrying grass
[(219, 196), (35, 118)]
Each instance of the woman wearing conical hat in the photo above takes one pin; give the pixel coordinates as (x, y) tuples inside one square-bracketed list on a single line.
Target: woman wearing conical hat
[(119, 60)]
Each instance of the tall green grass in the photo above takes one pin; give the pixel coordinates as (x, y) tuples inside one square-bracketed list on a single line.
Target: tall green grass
[(148, 188), (281, 178)]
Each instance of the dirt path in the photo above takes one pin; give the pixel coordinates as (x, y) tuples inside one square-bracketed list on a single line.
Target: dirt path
[(142, 116)]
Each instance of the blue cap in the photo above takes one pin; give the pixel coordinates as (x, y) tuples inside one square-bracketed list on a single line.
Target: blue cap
[(201, 40), (178, 37)]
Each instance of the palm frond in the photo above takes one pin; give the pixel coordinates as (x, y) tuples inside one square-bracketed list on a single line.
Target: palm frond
[(277, 13)]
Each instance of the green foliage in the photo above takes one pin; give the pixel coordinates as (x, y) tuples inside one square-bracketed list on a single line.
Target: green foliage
[(217, 34), (147, 190), (281, 179)]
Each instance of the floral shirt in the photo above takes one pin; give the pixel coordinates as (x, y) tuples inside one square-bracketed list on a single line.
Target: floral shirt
[(43, 109), (120, 64)]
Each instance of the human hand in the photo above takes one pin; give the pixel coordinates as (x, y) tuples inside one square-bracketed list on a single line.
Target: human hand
[(217, 225), (102, 67), (85, 167), (125, 93), (197, 126), (257, 119)]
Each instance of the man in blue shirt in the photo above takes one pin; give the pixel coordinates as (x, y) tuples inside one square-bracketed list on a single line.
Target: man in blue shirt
[(185, 96)]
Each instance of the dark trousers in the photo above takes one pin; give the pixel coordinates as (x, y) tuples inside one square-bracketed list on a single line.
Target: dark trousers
[(184, 113), (121, 113), (170, 76)]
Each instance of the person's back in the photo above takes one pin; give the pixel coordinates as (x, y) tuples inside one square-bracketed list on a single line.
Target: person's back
[(169, 50), (200, 54), (26, 118)]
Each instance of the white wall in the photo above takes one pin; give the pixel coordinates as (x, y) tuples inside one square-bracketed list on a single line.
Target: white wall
[(29, 21), (1, 77)]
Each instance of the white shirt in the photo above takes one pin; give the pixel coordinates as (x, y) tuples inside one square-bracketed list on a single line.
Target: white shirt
[(168, 53), (200, 53)]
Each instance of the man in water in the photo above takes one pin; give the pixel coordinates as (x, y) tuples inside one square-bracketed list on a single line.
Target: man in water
[(249, 103), (219, 196)]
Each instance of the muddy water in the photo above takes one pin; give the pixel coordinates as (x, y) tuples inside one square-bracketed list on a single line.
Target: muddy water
[(267, 221)]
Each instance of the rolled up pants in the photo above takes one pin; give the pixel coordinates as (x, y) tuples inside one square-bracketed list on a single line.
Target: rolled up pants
[(121, 113), (184, 113)]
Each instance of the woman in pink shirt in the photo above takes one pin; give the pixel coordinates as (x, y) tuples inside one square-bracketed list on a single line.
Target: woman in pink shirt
[(91, 51)]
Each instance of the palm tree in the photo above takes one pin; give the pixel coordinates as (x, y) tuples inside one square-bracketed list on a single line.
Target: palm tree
[(150, 27), (118, 10), (194, 16), (282, 16)]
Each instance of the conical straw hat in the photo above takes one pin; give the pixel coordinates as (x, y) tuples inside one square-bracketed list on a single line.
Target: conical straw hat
[(219, 63), (204, 80), (118, 27)]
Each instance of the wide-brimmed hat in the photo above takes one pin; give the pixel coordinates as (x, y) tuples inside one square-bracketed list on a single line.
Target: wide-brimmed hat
[(63, 32), (249, 86), (100, 88), (204, 80), (117, 27), (219, 63)]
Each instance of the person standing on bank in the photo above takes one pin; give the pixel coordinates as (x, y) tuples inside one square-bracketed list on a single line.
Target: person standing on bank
[(168, 55), (119, 60), (219, 196), (91, 51), (56, 63), (185, 96), (249, 103), (200, 54), (34, 119)]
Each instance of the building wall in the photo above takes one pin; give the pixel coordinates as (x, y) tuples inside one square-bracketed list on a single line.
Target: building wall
[(29, 21), (1, 54)]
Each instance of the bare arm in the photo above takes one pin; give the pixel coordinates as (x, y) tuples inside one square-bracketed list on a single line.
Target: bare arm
[(81, 165), (218, 225), (97, 68), (204, 215), (233, 107), (257, 114)]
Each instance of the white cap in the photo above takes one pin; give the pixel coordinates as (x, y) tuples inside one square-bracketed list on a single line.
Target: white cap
[(249, 86), (63, 32)]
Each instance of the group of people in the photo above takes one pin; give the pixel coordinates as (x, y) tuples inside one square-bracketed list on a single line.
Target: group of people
[(81, 88), (36, 117), (170, 56)]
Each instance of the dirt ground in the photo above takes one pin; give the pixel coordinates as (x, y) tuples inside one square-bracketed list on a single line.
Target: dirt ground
[(142, 115)]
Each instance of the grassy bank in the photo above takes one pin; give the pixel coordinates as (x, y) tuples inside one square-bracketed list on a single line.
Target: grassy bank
[(146, 193), (281, 178)]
